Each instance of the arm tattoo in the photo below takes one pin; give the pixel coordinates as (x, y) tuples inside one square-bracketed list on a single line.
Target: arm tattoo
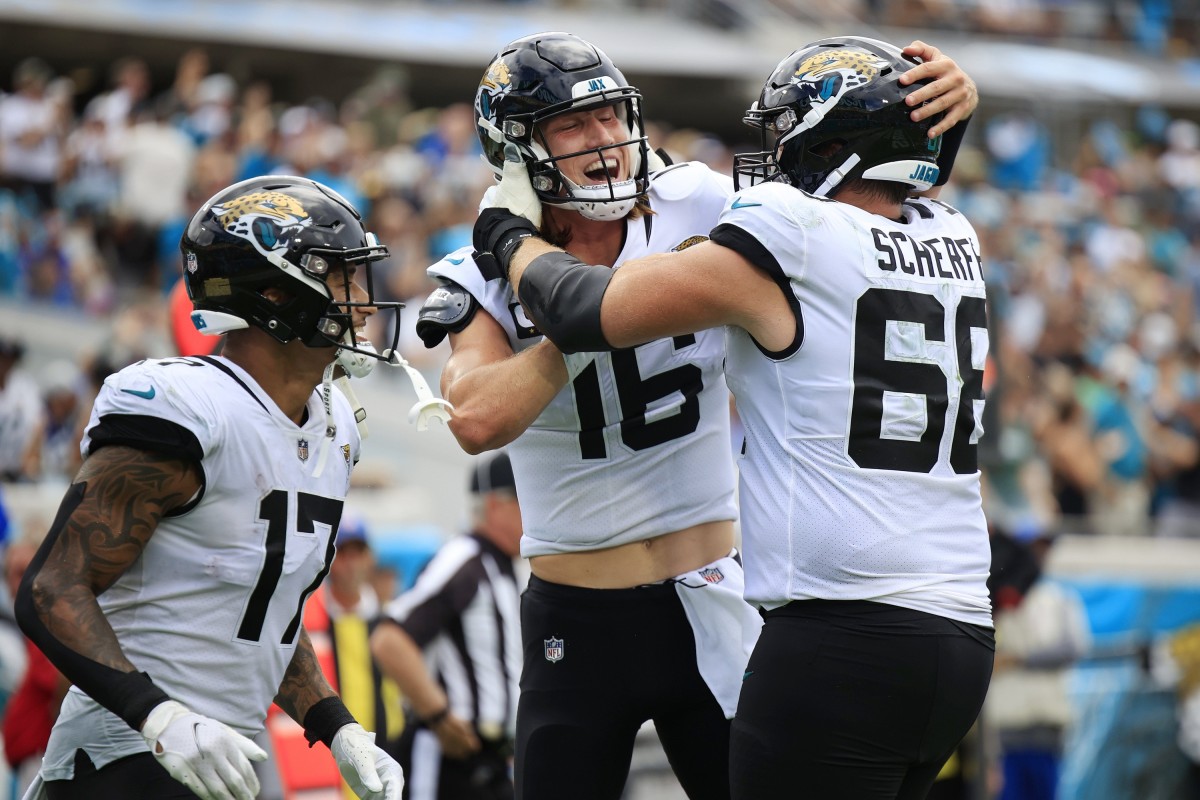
[(127, 492), (303, 683)]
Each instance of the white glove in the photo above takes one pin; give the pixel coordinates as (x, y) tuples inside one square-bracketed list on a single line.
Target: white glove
[(370, 772), (515, 192), (206, 756)]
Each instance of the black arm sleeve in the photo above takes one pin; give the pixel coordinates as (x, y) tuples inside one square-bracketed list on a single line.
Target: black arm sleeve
[(145, 433), (562, 296), (129, 695), (951, 141)]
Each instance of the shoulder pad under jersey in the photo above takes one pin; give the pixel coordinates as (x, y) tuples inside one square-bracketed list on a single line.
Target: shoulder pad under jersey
[(448, 309), (687, 178)]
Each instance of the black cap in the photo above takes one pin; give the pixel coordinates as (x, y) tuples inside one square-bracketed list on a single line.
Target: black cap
[(491, 473), (11, 348)]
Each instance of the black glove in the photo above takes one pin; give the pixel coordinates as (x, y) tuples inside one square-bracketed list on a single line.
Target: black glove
[(498, 231)]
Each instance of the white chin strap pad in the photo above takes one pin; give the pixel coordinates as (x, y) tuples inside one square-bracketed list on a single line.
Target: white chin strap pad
[(356, 365), (601, 208)]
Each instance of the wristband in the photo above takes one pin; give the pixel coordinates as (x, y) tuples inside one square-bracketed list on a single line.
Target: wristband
[(134, 696), (436, 717), (324, 719), (951, 141), (498, 231)]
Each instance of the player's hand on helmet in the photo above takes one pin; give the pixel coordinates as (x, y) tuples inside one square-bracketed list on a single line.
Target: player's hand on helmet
[(950, 89), (456, 736), (499, 229), (367, 769), (206, 756), (514, 191)]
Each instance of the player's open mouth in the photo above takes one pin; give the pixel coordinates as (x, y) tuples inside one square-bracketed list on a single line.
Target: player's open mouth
[(602, 170)]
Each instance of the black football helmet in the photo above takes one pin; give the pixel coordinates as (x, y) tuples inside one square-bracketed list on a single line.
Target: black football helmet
[(283, 232), (840, 91), (538, 77)]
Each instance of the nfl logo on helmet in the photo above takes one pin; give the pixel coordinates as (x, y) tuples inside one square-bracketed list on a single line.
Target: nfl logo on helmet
[(554, 649)]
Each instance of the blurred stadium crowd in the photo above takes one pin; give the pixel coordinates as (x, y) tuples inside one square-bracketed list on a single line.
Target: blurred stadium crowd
[(1095, 262), (1156, 27)]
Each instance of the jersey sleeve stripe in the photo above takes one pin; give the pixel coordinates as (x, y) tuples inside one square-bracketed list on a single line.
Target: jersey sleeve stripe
[(155, 434), (748, 247)]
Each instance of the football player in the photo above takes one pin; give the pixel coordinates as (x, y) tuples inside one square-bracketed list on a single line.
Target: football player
[(855, 342), (634, 611), (170, 587)]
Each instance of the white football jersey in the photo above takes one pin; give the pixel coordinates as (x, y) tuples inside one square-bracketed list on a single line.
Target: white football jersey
[(211, 610), (859, 479), (638, 444)]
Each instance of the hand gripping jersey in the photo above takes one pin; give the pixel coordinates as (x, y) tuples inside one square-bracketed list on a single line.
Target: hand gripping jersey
[(859, 479), (638, 444), (211, 610)]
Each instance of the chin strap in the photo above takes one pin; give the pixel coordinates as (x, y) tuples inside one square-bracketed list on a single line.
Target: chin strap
[(360, 413), (425, 409), (427, 406), (330, 427)]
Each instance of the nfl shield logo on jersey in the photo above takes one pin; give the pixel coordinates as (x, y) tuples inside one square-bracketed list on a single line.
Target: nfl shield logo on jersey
[(712, 575), (554, 649), (302, 449)]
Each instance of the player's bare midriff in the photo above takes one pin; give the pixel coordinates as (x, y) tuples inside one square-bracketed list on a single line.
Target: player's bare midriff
[(638, 563)]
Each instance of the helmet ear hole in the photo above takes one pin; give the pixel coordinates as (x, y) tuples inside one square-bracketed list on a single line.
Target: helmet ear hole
[(277, 296), (828, 148)]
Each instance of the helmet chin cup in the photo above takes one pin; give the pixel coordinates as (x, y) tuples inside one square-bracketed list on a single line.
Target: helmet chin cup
[(604, 212), (602, 208), (358, 362)]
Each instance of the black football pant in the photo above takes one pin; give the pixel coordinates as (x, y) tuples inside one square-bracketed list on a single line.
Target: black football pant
[(138, 777), (855, 700), (628, 655)]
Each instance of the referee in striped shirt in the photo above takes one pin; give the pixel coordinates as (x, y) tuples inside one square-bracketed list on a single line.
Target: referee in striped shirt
[(452, 644)]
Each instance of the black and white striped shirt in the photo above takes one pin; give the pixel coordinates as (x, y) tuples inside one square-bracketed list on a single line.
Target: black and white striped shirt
[(464, 613)]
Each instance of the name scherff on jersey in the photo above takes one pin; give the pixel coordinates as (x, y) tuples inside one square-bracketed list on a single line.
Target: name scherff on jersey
[(938, 257)]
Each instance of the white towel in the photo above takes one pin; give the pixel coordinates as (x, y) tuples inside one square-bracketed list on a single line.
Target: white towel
[(725, 626)]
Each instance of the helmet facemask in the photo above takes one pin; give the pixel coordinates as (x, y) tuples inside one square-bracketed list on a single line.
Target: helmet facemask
[(356, 354), (608, 199)]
